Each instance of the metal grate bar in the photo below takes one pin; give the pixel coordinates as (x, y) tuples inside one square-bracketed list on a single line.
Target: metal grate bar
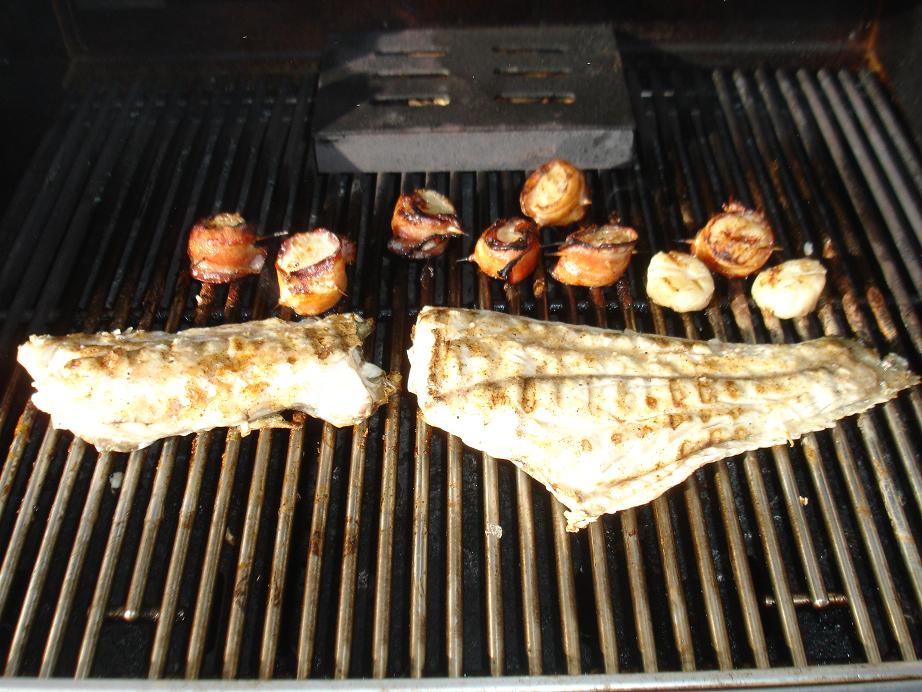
[(42, 167), (454, 615), (869, 534), (419, 553), (859, 199), (45, 554), (178, 554), (33, 224), (75, 565), (874, 159), (245, 557), (109, 562), (152, 519), (344, 620), (897, 135), (216, 537), (26, 512), (386, 191), (280, 553), (492, 532)]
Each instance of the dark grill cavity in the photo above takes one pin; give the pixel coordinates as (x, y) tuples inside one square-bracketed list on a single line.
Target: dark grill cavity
[(390, 549)]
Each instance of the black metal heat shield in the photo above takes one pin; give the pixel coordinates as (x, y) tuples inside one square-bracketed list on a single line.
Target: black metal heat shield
[(472, 99)]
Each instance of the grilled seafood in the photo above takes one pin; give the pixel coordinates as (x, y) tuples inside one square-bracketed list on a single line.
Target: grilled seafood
[(790, 289), (508, 250), (735, 243), (555, 194), (679, 281), (311, 270), (422, 224), (595, 256), (607, 420), (222, 248), (123, 391)]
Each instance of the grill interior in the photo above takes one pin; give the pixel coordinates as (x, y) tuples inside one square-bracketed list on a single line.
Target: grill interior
[(390, 550)]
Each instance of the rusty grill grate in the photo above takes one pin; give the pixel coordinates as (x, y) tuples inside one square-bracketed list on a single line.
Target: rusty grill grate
[(390, 550)]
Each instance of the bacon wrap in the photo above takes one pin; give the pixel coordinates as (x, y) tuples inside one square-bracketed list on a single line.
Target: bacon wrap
[(311, 271), (222, 248), (508, 250), (422, 224), (595, 256), (735, 243), (555, 194)]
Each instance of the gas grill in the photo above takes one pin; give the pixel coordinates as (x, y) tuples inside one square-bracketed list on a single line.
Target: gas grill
[(390, 550)]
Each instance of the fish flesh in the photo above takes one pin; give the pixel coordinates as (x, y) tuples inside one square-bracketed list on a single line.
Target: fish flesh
[(121, 391), (608, 420)]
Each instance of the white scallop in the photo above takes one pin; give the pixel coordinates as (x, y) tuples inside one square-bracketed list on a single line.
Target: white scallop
[(679, 281), (790, 289)]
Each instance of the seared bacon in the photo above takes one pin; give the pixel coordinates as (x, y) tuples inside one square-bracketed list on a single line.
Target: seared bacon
[(736, 242), (595, 256), (311, 269), (508, 250), (422, 224), (555, 194), (222, 248)]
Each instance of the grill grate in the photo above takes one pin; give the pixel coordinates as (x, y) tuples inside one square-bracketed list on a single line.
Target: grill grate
[(390, 550)]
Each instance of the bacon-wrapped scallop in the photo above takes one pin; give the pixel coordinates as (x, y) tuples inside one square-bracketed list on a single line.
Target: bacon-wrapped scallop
[(311, 269), (508, 250), (735, 243), (555, 194), (422, 224), (595, 256), (222, 248)]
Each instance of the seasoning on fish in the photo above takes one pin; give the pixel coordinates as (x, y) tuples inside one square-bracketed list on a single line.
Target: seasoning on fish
[(555, 194), (736, 242), (311, 270), (608, 420), (422, 224), (122, 391), (679, 281), (595, 256), (222, 248), (508, 250), (790, 289)]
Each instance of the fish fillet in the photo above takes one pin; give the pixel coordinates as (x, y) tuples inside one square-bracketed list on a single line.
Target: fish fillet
[(123, 391), (608, 420)]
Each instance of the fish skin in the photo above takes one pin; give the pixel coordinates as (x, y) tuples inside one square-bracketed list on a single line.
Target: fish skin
[(124, 390), (609, 420)]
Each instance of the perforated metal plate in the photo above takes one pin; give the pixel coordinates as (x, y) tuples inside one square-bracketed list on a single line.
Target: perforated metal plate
[(500, 99)]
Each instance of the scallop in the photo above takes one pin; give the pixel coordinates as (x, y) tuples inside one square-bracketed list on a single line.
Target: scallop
[(790, 289), (679, 281)]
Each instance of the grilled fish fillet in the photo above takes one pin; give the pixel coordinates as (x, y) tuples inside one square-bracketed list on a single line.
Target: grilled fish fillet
[(608, 420), (123, 391)]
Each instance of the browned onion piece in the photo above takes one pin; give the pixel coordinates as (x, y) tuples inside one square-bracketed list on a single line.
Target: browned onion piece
[(555, 194), (311, 271), (222, 248), (595, 256), (735, 243), (422, 223), (508, 250)]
